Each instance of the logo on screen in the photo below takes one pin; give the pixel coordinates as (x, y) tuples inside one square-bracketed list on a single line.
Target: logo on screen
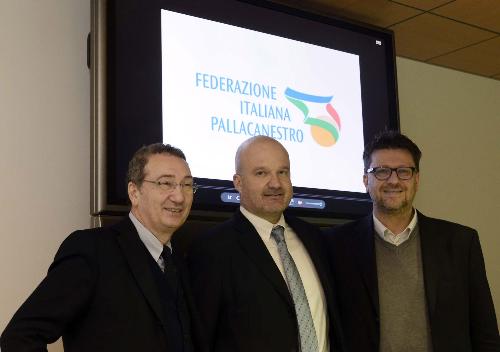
[(319, 114)]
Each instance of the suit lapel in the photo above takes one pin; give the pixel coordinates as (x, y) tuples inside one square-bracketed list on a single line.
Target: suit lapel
[(311, 245), (433, 248), (134, 251), (184, 280), (363, 247), (189, 318), (257, 252), (318, 256)]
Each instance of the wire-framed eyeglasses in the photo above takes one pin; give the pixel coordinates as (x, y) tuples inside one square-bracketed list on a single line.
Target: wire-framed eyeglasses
[(187, 187)]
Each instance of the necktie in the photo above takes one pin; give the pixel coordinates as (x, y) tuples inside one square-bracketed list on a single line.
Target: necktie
[(179, 316), (169, 270), (308, 340)]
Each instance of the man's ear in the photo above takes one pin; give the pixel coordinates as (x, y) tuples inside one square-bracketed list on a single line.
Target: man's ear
[(133, 193), (237, 182), (365, 181)]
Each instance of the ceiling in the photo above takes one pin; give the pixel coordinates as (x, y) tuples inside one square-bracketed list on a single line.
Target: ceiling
[(461, 34)]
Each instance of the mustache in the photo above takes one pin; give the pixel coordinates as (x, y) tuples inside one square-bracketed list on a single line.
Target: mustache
[(273, 192), (393, 189)]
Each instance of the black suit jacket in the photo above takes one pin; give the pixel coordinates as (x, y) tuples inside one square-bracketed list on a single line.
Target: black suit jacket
[(99, 295), (243, 299), (459, 303)]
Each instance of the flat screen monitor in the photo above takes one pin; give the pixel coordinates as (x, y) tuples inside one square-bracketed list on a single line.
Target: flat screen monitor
[(205, 76)]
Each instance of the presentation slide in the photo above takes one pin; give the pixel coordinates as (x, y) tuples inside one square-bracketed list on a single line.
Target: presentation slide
[(223, 84)]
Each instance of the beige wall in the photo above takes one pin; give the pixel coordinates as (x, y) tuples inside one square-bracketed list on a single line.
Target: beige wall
[(455, 119), (44, 135), (44, 138)]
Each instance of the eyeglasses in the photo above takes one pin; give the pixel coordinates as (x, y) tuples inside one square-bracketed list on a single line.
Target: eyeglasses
[(169, 186), (384, 173)]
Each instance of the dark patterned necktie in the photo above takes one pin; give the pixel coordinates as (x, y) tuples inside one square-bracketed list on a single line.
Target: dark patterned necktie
[(169, 270), (308, 340)]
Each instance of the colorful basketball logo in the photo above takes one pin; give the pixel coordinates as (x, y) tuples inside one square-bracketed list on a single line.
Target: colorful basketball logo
[(325, 128)]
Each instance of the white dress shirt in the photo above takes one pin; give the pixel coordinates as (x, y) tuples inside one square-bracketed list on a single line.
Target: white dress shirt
[(153, 244), (388, 236), (305, 266)]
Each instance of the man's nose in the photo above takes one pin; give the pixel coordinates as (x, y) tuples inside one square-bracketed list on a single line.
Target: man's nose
[(177, 194), (274, 181), (393, 177)]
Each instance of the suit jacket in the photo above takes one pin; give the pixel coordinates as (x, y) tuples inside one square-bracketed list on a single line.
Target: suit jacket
[(99, 295), (459, 303), (243, 299)]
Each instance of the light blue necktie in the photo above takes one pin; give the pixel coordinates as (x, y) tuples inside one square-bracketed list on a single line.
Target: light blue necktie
[(308, 340)]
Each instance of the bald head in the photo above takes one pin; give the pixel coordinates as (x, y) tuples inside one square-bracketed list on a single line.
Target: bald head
[(263, 177), (257, 142)]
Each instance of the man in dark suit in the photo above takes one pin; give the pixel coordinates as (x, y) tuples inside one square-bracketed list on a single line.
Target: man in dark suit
[(261, 278), (122, 288), (407, 282)]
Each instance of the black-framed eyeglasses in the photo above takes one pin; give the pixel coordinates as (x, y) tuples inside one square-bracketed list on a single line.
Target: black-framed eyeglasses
[(169, 186), (384, 173)]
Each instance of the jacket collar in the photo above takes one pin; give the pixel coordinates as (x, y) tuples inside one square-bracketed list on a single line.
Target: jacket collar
[(137, 259)]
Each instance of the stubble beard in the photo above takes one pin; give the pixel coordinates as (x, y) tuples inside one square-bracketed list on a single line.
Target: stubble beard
[(390, 209)]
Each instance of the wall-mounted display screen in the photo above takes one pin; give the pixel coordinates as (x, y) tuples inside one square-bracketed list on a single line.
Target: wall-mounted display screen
[(205, 76)]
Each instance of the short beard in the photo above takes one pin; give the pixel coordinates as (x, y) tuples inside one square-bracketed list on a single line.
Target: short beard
[(405, 205)]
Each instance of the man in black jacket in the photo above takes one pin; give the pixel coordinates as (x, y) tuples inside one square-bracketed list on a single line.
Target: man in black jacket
[(261, 278), (121, 288), (407, 282)]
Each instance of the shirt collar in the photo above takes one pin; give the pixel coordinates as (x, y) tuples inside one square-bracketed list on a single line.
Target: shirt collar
[(387, 235), (153, 244), (262, 226)]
